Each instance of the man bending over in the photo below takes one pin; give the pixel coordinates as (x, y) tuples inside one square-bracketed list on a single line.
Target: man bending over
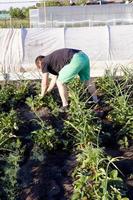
[(64, 65)]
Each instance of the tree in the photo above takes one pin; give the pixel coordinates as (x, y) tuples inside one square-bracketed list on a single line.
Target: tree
[(16, 13), (20, 13)]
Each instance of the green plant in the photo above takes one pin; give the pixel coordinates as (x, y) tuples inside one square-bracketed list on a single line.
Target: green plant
[(80, 2), (6, 93), (50, 3), (8, 125), (45, 136), (10, 169), (35, 103), (94, 178), (81, 122), (11, 95), (118, 95), (10, 176), (122, 115), (121, 110), (111, 86), (21, 91)]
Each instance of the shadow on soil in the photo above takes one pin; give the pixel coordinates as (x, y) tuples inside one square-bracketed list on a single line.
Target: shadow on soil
[(50, 178)]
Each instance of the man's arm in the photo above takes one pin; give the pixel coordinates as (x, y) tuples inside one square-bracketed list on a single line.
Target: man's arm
[(44, 84), (52, 83)]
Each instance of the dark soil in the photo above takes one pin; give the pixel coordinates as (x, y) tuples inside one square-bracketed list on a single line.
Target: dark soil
[(108, 136), (125, 165), (50, 178)]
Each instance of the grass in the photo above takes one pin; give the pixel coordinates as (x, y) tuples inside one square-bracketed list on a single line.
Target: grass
[(117, 94), (15, 23)]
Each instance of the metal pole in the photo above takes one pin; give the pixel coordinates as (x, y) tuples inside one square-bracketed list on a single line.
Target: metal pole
[(45, 14), (10, 21), (51, 18)]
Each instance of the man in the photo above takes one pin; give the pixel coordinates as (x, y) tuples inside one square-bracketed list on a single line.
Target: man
[(64, 65)]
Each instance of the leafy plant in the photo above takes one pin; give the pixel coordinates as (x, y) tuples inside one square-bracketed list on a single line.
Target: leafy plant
[(21, 91), (8, 125), (9, 122), (93, 176), (10, 169), (45, 136), (10, 175), (6, 93), (34, 103), (93, 180), (11, 95)]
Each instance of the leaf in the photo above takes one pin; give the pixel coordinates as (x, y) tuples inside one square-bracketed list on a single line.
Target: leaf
[(114, 174)]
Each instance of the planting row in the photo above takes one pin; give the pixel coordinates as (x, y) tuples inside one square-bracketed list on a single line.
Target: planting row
[(81, 131)]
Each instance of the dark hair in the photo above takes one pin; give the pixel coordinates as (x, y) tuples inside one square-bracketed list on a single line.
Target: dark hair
[(39, 58)]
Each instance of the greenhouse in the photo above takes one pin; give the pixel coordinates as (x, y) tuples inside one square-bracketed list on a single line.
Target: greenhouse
[(73, 16)]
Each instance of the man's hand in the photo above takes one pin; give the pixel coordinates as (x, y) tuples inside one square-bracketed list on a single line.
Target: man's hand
[(41, 96)]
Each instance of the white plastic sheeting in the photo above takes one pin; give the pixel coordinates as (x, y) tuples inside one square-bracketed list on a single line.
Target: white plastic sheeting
[(93, 41), (41, 42), (107, 46), (11, 50), (121, 43)]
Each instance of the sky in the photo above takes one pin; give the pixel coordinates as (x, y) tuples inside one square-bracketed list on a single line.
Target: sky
[(6, 4)]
